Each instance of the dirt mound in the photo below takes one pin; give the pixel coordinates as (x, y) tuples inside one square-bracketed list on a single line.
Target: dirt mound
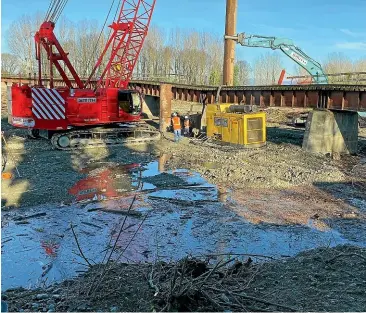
[(278, 165), (284, 115), (317, 280), (324, 279)]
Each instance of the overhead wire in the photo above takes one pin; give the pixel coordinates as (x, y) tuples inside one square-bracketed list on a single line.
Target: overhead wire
[(55, 12), (56, 8), (50, 9), (61, 10), (94, 51)]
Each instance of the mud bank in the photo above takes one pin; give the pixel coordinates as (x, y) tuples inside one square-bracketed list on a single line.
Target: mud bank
[(325, 279)]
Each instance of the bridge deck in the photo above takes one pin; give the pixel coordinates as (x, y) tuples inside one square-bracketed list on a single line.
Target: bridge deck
[(337, 97)]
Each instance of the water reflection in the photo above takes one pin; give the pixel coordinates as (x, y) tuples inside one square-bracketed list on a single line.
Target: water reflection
[(106, 181), (163, 159), (102, 184), (185, 215)]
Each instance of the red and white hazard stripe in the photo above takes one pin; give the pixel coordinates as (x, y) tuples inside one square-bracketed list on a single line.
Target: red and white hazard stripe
[(47, 104)]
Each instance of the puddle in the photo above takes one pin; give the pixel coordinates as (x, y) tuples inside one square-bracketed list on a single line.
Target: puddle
[(106, 180), (185, 215), (359, 203)]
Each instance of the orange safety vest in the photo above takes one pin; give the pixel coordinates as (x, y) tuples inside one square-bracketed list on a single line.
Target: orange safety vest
[(186, 123), (176, 123)]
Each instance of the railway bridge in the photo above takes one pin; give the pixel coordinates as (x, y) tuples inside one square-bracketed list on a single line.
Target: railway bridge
[(333, 128), (332, 97)]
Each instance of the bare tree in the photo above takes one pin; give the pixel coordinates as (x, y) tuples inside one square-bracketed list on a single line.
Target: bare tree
[(360, 65), (267, 69), (241, 73), (338, 63), (151, 60), (21, 42), (185, 56), (9, 63)]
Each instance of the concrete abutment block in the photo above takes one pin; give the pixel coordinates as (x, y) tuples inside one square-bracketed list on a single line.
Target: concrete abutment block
[(333, 132)]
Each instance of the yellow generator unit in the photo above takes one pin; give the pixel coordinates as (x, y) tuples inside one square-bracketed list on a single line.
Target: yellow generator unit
[(236, 124)]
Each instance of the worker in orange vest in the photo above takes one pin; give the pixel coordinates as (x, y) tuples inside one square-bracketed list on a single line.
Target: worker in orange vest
[(186, 126), (177, 127)]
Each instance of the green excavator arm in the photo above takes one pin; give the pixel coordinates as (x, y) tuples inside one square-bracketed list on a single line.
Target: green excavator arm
[(287, 47)]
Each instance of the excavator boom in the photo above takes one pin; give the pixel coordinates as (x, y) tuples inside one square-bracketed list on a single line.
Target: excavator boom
[(288, 47)]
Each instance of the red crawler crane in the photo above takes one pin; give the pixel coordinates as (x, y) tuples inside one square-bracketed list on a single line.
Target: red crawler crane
[(69, 115)]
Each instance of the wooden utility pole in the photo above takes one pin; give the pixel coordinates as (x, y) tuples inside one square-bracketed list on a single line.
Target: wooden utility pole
[(229, 52)]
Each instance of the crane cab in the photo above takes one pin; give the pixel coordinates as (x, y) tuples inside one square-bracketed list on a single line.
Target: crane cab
[(105, 106), (129, 101)]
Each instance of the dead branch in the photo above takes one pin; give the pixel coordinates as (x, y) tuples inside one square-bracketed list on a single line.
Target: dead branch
[(78, 245), (151, 282), (216, 305), (121, 230), (107, 268), (91, 224), (345, 254), (241, 254), (256, 299)]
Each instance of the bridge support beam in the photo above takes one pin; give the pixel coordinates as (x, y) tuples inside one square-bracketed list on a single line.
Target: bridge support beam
[(165, 106), (333, 132)]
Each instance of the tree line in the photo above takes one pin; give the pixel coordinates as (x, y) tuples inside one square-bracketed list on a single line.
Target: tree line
[(182, 56)]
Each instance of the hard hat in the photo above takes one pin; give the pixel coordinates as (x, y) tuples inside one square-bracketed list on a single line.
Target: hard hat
[(174, 114), (186, 117)]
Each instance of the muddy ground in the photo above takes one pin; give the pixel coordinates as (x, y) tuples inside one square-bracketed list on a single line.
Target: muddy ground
[(277, 184), (324, 279), (46, 174), (280, 183), (274, 190)]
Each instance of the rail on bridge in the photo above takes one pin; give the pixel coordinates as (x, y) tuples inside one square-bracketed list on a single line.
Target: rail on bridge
[(334, 97)]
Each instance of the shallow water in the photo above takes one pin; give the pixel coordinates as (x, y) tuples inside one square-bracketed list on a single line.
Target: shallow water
[(185, 215)]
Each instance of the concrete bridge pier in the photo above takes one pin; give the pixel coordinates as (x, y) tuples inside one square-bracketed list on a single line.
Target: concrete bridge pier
[(165, 106), (331, 131), (159, 106)]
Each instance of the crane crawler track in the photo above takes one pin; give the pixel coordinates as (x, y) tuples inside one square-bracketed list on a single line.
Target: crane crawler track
[(98, 137)]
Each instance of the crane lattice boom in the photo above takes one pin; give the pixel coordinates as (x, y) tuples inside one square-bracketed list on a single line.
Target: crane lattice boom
[(135, 16)]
